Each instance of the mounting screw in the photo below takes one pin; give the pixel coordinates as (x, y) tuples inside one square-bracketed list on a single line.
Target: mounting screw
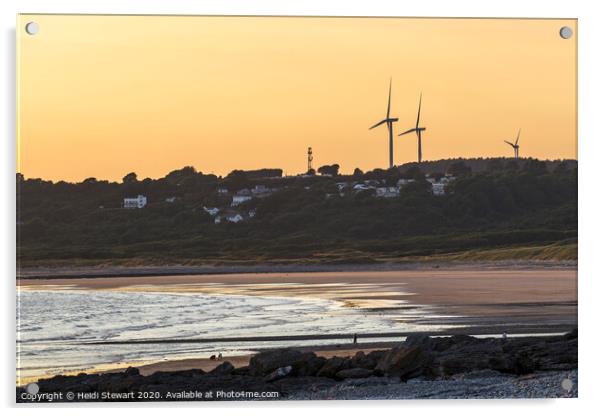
[(566, 32)]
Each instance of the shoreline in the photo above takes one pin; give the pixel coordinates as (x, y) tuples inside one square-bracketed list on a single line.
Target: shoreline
[(458, 300), (418, 367), (148, 367), (104, 271), (475, 331)]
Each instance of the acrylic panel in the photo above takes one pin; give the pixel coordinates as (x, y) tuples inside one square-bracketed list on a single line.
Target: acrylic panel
[(292, 208)]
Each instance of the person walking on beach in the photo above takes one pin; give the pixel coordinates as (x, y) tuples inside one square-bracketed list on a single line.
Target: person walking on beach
[(354, 339)]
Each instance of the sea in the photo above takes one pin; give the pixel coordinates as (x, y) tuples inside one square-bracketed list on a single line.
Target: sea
[(61, 331)]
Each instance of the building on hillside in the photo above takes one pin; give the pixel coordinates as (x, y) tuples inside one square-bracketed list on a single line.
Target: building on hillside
[(211, 211), (230, 216), (261, 191), (438, 188), (235, 217), (222, 191), (138, 202), (342, 185), (362, 187), (170, 199), (387, 192), (241, 196), (403, 182)]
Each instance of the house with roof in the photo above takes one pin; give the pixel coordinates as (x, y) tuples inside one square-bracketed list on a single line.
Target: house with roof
[(211, 211), (387, 192), (131, 203), (240, 197)]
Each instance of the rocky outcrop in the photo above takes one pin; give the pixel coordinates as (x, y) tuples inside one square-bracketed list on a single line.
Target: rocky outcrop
[(403, 361), (266, 362), (224, 368), (333, 365), (286, 370)]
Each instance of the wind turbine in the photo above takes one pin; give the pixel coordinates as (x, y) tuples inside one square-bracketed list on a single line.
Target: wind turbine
[(515, 145), (389, 122), (418, 131)]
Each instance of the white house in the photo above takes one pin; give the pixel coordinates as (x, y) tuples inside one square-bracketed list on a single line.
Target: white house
[(438, 188), (230, 216), (261, 189), (234, 218), (362, 187), (239, 199), (241, 196), (170, 199), (211, 211), (387, 192), (403, 182), (138, 202)]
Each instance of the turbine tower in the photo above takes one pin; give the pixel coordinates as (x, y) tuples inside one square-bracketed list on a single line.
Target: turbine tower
[(310, 158), (389, 122), (418, 131), (515, 145)]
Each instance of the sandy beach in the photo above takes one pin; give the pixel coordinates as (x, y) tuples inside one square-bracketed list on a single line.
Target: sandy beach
[(519, 292), (472, 301)]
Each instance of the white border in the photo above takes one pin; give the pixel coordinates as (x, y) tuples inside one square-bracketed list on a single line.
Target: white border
[(590, 139)]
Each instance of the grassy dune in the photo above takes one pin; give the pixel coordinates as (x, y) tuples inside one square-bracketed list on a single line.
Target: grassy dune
[(557, 252)]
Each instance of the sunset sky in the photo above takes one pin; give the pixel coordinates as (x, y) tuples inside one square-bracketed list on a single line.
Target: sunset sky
[(101, 96)]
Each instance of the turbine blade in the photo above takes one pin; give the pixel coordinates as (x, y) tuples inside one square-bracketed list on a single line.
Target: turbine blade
[(378, 124), (511, 144), (419, 105), (389, 104), (517, 137), (406, 132)]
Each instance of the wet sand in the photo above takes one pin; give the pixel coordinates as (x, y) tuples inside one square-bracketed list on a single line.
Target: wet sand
[(531, 294), (479, 301)]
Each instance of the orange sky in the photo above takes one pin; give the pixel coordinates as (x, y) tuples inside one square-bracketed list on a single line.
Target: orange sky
[(106, 95)]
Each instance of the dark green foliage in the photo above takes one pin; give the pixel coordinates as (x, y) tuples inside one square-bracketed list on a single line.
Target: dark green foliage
[(306, 218), (130, 178), (459, 169), (332, 170), (263, 173), (357, 173)]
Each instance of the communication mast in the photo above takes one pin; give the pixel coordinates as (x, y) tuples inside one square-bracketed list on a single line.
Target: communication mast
[(310, 158)]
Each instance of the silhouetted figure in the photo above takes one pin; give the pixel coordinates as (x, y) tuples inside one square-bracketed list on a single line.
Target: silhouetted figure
[(219, 356), (212, 358), (354, 339)]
